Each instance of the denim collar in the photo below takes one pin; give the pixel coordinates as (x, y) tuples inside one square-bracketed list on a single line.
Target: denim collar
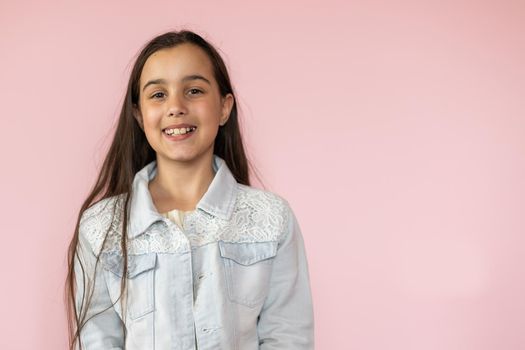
[(218, 200)]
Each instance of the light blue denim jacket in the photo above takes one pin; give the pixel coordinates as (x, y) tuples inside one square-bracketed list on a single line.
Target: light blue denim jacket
[(236, 278)]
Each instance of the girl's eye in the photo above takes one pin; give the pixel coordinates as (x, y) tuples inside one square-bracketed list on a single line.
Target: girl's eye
[(161, 94), (157, 94), (195, 91)]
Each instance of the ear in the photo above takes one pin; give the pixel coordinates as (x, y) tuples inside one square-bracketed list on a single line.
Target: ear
[(138, 116), (227, 105)]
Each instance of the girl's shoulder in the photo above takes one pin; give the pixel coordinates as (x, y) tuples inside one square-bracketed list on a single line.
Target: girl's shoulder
[(260, 200), (99, 218), (262, 211)]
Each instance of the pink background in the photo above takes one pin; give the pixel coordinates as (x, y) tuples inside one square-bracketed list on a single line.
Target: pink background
[(394, 128)]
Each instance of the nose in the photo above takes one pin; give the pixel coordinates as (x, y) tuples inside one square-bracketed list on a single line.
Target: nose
[(176, 105)]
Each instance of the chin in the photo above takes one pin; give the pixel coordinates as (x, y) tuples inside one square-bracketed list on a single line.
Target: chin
[(181, 157)]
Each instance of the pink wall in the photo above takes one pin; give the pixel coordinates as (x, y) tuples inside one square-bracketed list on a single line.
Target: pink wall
[(395, 130)]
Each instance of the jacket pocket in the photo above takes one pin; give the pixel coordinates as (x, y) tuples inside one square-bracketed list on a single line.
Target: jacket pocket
[(248, 268), (140, 281)]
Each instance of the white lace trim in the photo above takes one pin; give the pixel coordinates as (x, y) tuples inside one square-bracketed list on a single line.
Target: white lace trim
[(258, 216)]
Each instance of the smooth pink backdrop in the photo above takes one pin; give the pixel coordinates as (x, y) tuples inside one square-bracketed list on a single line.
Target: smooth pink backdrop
[(394, 128)]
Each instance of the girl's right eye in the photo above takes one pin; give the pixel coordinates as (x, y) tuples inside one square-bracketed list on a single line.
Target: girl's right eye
[(157, 94)]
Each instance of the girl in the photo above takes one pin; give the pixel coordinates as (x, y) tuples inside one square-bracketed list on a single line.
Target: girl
[(173, 249)]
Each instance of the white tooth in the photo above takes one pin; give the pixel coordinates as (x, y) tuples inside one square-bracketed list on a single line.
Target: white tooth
[(182, 131), (176, 131), (188, 129)]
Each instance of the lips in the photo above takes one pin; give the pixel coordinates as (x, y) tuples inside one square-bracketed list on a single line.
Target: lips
[(179, 126), (179, 131)]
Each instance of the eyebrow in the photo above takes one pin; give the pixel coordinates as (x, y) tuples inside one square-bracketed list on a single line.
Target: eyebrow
[(186, 78)]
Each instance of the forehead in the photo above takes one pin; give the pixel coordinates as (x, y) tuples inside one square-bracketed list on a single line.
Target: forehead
[(176, 62)]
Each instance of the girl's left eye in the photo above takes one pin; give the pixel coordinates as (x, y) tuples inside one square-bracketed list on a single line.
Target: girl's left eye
[(195, 91)]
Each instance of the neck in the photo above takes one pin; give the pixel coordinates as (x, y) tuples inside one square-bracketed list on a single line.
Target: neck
[(179, 184)]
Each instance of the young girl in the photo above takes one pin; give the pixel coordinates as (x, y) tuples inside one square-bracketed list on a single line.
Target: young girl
[(173, 249)]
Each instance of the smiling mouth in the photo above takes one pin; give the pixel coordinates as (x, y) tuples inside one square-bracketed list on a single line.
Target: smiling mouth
[(179, 131)]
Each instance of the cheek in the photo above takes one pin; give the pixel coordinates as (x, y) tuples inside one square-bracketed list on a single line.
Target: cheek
[(152, 129), (151, 118), (209, 112)]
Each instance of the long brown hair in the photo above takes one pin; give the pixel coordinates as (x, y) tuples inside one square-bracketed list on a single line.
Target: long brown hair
[(130, 151)]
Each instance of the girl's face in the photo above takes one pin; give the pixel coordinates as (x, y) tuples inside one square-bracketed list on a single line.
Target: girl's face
[(180, 104)]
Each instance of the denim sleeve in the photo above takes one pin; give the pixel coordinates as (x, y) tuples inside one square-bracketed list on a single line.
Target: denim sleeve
[(286, 320), (101, 330)]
